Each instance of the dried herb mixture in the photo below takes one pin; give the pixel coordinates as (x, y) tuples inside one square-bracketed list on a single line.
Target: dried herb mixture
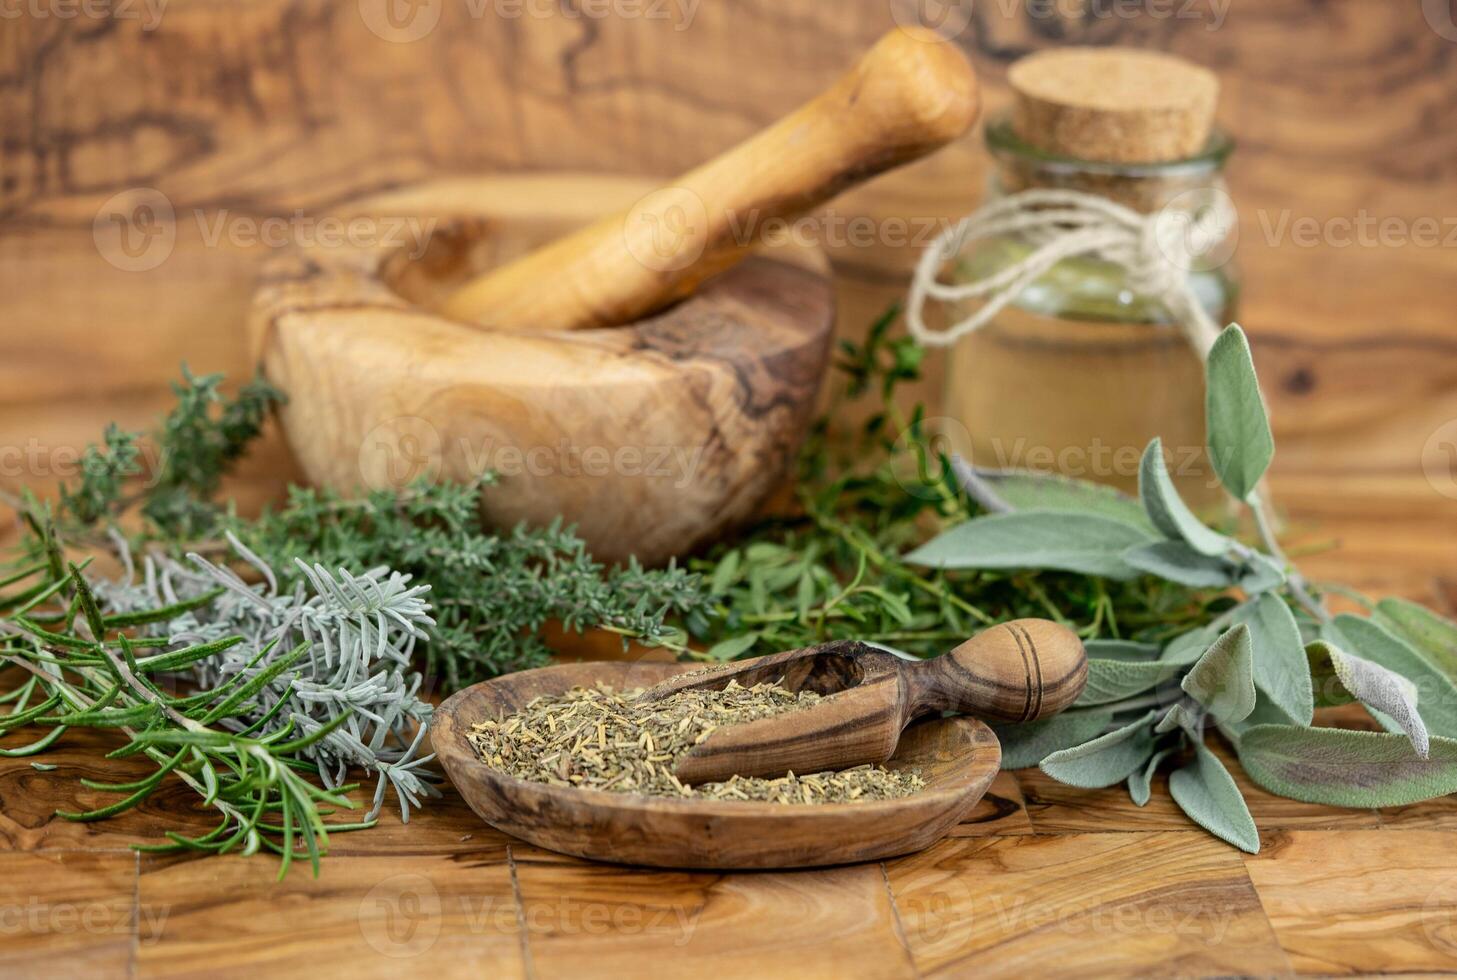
[(598, 738)]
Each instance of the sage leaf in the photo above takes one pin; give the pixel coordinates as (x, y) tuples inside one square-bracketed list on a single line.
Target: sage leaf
[(1240, 443), (733, 647), (1085, 543), (1223, 680), (1121, 650), (1376, 687), (1025, 490), (1188, 647), (1265, 713), (1281, 669), (1177, 562), (1180, 718), (1114, 680), (1261, 574), (726, 573), (1105, 760), (1140, 781), (1167, 510), (1436, 696), (1027, 745), (1432, 636), (1207, 793), (1341, 767)]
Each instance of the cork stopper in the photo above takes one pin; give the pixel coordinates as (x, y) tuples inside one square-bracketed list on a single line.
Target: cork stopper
[(1119, 105)]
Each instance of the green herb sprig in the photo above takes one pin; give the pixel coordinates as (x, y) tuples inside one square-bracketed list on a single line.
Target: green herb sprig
[(493, 593), (239, 729), (833, 569)]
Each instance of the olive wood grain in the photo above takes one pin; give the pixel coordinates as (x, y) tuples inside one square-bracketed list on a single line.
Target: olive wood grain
[(959, 758), (912, 93), (1014, 672)]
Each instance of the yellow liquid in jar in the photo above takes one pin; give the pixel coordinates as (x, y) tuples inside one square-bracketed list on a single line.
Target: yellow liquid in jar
[(1080, 397)]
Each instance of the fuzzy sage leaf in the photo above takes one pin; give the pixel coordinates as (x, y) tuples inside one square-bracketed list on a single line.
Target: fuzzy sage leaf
[(1240, 443), (1167, 510), (1105, 760), (1207, 793), (1086, 543), (1223, 680), (1342, 767)]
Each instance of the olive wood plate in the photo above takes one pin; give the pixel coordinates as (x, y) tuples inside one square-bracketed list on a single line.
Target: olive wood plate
[(959, 757)]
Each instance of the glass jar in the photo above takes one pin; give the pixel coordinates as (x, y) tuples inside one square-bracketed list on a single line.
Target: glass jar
[(1081, 370)]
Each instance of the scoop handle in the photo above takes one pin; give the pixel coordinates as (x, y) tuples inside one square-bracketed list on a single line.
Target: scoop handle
[(1014, 672), (910, 94)]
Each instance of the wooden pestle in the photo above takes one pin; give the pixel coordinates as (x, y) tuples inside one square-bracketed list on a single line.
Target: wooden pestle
[(1014, 672), (912, 93)]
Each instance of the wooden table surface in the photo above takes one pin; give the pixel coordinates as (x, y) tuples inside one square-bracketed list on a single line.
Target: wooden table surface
[(1041, 878)]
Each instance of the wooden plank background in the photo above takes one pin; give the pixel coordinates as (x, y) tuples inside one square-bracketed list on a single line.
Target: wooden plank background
[(238, 111)]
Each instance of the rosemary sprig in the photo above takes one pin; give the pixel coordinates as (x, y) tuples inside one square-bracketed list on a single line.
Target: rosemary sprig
[(239, 693)]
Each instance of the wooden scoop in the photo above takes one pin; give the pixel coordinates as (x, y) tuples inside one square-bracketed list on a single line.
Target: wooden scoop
[(1015, 672), (910, 94)]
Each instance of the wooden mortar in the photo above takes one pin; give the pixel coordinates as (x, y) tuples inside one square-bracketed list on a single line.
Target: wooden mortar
[(468, 347)]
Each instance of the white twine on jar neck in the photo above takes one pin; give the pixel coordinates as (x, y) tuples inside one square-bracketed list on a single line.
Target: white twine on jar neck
[(1157, 250)]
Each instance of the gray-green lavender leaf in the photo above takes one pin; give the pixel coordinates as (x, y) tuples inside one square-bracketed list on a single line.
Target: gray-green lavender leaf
[(356, 679)]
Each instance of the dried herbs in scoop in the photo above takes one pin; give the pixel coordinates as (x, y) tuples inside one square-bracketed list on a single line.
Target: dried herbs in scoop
[(598, 738)]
